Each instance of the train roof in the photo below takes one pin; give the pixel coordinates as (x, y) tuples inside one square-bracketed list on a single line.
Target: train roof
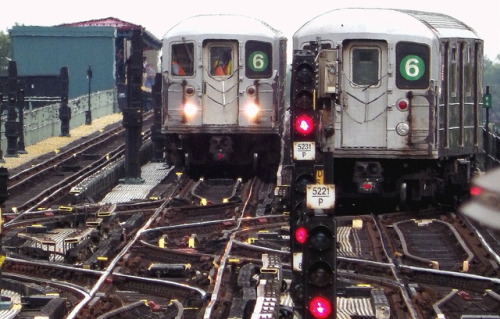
[(222, 26), (369, 21)]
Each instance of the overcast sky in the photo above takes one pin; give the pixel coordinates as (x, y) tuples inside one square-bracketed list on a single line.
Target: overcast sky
[(159, 16)]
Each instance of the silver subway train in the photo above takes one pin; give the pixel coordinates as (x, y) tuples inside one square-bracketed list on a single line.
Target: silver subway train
[(223, 93), (399, 96)]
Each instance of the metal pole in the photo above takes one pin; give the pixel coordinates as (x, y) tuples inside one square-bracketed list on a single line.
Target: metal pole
[(88, 114), (64, 110), (20, 109), (487, 111), (11, 124)]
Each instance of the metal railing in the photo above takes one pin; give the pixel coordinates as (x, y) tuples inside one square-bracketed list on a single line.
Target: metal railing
[(491, 146)]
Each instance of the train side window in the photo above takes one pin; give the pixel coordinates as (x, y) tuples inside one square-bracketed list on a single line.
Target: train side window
[(453, 72), (412, 63), (258, 60), (182, 59), (468, 69), (221, 60), (365, 66)]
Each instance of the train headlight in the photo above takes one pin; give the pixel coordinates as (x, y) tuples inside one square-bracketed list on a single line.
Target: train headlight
[(252, 111), (403, 129), (189, 110)]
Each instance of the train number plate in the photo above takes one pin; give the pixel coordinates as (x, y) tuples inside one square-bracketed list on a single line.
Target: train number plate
[(304, 151), (320, 196), (297, 261)]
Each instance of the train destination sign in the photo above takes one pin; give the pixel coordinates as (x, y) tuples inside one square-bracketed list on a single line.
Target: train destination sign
[(320, 196)]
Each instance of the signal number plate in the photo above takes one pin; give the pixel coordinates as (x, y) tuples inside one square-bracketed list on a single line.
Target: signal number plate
[(320, 196), (304, 151)]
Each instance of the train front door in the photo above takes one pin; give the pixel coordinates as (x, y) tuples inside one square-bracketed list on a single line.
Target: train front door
[(364, 81), (220, 83)]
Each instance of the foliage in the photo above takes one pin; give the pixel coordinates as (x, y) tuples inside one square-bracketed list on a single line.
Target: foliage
[(5, 52)]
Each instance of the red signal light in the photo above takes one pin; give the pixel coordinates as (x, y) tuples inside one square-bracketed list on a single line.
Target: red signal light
[(304, 124), (301, 235), (320, 307)]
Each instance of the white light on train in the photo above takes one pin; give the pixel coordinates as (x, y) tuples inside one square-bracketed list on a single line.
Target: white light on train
[(252, 111), (189, 110), (403, 129)]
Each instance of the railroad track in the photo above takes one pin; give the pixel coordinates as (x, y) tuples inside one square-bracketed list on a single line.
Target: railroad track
[(43, 182), (199, 252)]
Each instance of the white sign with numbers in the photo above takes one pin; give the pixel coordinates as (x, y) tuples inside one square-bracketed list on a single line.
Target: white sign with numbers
[(320, 196), (304, 151), (297, 261)]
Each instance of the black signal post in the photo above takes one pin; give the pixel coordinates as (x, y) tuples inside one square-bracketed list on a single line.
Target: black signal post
[(88, 113), (132, 114), (11, 125), (303, 153), (64, 109), (312, 223)]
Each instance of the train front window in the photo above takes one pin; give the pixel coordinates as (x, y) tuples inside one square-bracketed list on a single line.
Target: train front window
[(365, 66), (412, 65), (258, 60), (182, 59), (221, 60)]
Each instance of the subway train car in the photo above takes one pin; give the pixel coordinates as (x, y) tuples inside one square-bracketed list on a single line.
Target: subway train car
[(223, 93), (399, 95)]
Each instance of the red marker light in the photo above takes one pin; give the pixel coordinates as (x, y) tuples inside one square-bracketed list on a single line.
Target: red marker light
[(320, 307), (301, 235), (476, 191), (402, 104), (304, 124), (367, 186)]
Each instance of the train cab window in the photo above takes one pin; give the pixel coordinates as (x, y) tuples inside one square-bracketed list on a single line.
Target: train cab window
[(412, 65), (258, 60), (324, 45), (365, 66), (182, 58), (221, 60)]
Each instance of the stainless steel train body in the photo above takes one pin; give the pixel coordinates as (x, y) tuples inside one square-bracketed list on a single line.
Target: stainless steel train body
[(400, 97), (224, 82)]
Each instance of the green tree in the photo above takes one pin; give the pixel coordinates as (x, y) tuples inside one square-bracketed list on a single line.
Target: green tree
[(5, 52)]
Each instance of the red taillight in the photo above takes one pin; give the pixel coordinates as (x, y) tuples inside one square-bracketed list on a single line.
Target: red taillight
[(304, 124), (367, 186), (320, 307), (402, 104), (301, 235), (476, 191), (189, 90)]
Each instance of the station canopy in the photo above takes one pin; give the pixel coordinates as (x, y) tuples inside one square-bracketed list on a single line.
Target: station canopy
[(124, 29)]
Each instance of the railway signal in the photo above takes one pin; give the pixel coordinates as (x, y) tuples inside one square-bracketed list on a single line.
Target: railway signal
[(319, 266), (303, 98), (312, 225)]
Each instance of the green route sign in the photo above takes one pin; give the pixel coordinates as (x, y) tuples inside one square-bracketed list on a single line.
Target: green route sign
[(412, 67), (258, 61)]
